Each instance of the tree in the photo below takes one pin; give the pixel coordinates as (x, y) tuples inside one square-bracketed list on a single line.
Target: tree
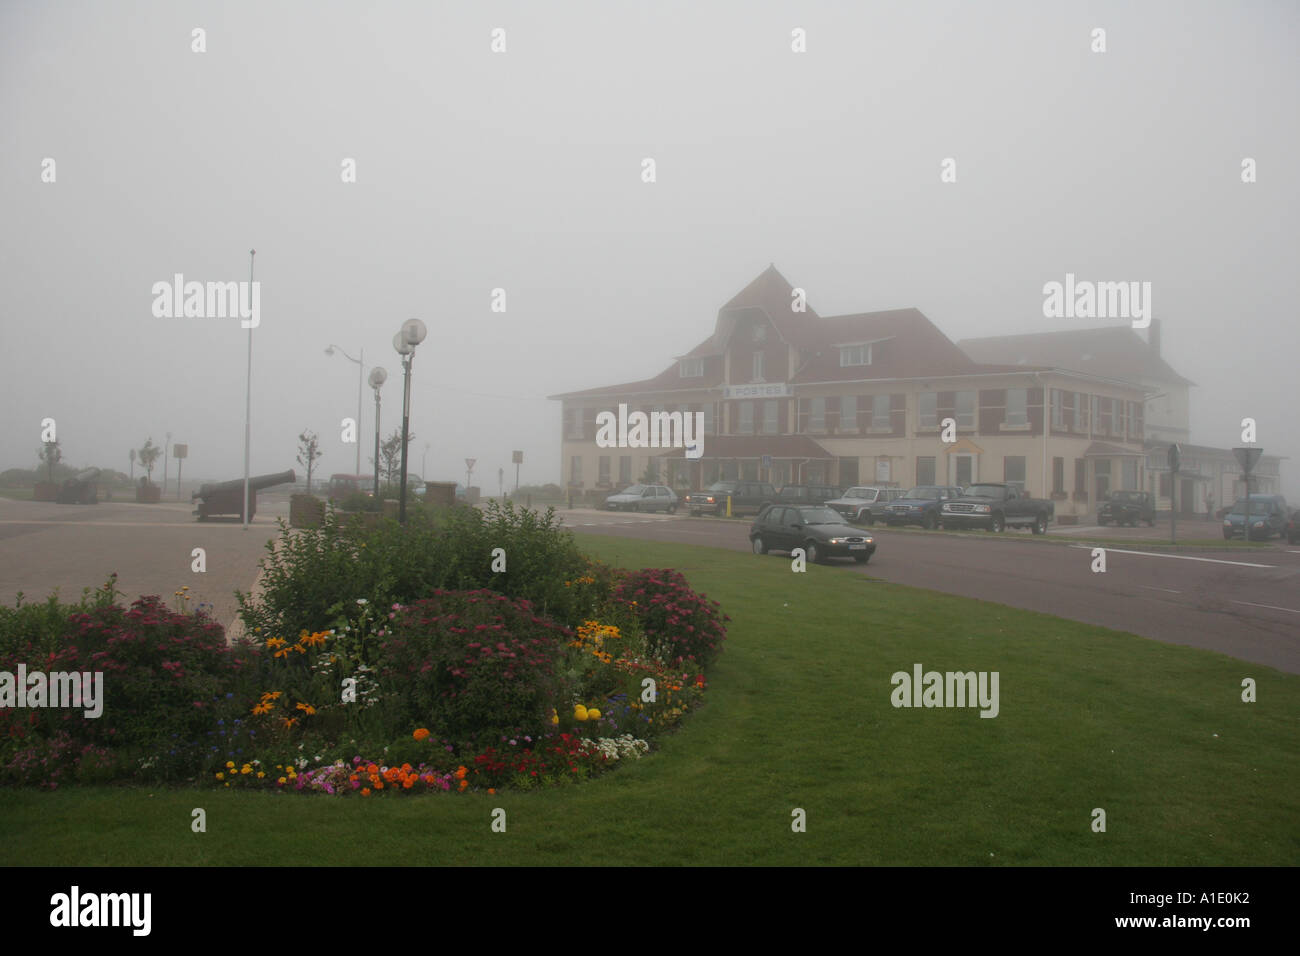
[(390, 452), (51, 454), (132, 466), (308, 452), (148, 455)]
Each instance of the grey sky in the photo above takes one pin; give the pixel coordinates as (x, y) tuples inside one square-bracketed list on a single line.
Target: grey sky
[(522, 170)]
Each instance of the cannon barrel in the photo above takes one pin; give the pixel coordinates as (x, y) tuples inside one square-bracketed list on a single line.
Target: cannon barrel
[(255, 483), (227, 497)]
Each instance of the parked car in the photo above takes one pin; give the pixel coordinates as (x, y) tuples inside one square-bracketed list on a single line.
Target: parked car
[(821, 532), (1268, 516), (994, 507), (1293, 528), (864, 504), (808, 494), (1128, 507), (920, 505), (644, 498), (344, 486), (746, 496)]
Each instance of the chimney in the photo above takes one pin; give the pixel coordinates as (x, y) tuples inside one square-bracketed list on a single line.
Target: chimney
[(1153, 337)]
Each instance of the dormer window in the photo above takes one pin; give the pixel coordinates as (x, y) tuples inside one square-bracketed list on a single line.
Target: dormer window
[(692, 367), (855, 355), (760, 334)]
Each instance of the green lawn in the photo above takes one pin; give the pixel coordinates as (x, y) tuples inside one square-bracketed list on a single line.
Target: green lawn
[(798, 715)]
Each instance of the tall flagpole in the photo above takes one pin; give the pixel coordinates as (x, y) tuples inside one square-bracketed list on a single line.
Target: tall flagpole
[(248, 391)]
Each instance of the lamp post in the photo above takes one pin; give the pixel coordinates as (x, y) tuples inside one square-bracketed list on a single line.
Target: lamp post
[(377, 378), (248, 395), (412, 334), (361, 367)]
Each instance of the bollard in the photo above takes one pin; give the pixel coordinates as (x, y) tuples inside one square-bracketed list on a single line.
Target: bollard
[(728, 506)]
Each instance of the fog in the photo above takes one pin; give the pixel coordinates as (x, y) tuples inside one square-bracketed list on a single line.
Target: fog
[(522, 170)]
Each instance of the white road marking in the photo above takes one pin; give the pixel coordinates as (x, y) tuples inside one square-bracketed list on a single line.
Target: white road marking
[(1271, 607), (1180, 557), (1151, 588)]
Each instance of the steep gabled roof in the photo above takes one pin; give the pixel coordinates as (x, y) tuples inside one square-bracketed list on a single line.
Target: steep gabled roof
[(905, 344), (1113, 352)]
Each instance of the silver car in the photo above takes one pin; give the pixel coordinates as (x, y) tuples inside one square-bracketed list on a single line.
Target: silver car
[(644, 498), (865, 503)]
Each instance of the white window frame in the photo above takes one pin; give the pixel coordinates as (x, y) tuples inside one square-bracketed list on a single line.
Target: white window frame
[(851, 355), (933, 415), (974, 408), (760, 366), (882, 422), (848, 413), (691, 368)]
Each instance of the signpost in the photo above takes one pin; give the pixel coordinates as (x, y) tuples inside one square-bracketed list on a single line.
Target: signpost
[(501, 482), (1246, 457), (180, 452), (469, 470), (518, 459), (1175, 462)]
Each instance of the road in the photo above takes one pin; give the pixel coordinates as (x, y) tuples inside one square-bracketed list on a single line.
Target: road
[(1244, 605)]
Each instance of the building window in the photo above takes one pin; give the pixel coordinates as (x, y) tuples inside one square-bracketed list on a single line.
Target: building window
[(966, 409), (1121, 410), (817, 421), (1096, 413), (880, 417), (1017, 406), (624, 470), (1080, 414), (925, 471), (848, 413), (1058, 476), (964, 471), (929, 408), (575, 423), (760, 334), (1014, 470), (770, 410), (1130, 466), (855, 355), (746, 426), (708, 418), (1058, 409), (691, 368), (603, 469), (575, 470), (652, 471), (848, 472), (759, 365), (1081, 478)]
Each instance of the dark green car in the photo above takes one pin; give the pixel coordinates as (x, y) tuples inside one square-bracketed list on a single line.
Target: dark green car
[(1128, 507)]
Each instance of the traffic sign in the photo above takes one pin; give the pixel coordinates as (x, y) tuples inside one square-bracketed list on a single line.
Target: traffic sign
[(1246, 457), (469, 463), (517, 458)]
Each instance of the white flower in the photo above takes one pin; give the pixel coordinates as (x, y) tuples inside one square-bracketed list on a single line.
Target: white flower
[(362, 601)]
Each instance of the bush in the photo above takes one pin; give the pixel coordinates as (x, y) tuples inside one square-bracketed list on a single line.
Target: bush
[(473, 665), (679, 624)]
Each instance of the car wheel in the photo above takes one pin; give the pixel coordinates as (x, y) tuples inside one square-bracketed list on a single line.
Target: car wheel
[(862, 558), (930, 522), (813, 552), (672, 508), (997, 524), (1040, 524), (760, 546)]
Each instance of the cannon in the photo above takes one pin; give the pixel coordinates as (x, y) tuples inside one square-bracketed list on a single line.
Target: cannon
[(81, 489), (227, 497)]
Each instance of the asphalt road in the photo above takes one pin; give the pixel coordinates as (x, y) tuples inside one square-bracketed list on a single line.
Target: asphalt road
[(1244, 605)]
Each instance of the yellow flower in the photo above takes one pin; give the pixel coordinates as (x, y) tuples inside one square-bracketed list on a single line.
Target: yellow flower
[(579, 712), (261, 774), (230, 763), (220, 775), (593, 714), (280, 781)]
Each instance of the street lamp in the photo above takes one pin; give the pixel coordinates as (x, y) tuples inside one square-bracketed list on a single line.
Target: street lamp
[(377, 378), (361, 367), (412, 334)]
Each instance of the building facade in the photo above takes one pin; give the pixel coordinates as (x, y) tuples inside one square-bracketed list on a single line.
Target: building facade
[(791, 397)]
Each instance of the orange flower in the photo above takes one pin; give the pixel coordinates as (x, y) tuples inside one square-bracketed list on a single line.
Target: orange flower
[(288, 721), (464, 784), (461, 772), (420, 733), (491, 790), (308, 709), (365, 791)]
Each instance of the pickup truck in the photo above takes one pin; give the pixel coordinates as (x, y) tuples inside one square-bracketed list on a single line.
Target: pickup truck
[(995, 507)]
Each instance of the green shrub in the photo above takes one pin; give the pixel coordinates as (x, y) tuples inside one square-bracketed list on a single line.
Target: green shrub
[(679, 624)]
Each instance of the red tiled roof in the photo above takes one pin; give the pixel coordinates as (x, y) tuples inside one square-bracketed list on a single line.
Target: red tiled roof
[(1112, 352)]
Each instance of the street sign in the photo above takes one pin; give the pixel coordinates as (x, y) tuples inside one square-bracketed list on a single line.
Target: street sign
[(517, 458), (1175, 457), (180, 451), (469, 463), (1246, 457)]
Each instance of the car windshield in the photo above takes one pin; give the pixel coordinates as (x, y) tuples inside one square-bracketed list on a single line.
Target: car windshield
[(984, 491), (819, 516), (924, 491), (859, 493), (633, 490), (1128, 496), (1257, 507), (722, 486)]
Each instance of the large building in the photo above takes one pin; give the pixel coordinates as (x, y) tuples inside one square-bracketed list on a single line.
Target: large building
[(788, 396)]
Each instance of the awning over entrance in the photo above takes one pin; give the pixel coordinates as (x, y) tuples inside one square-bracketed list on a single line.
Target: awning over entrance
[(963, 447), (1101, 449)]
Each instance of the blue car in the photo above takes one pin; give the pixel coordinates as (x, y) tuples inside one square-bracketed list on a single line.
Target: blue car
[(1268, 517), (920, 506)]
